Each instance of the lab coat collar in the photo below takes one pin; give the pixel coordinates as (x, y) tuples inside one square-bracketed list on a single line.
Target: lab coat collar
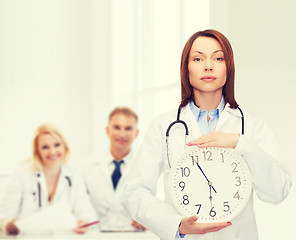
[(62, 182), (194, 131), (188, 117), (226, 114), (107, 157), (65, 180)]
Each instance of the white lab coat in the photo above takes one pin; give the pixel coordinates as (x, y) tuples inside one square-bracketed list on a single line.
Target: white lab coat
[(97, 176), (21, 197), (258, 147)]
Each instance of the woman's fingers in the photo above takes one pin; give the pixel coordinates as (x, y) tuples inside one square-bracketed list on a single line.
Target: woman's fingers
[(79, 229), (216, 139), (12, 228), (213, 227), (190, 226)]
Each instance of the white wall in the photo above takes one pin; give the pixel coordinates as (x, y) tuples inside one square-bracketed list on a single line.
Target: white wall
[(44, 75), (70, 62), (263, 36), (136, 49)]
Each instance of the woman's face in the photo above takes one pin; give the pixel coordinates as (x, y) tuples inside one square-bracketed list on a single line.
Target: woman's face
[(51, 150), (206, 66)]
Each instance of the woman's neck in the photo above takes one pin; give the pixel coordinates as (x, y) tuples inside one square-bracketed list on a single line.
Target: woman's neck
[(207, 101), (52, 171), (52, 175)]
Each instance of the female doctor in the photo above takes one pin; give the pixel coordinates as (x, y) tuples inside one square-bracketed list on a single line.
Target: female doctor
[(44, 180), (209, 109)]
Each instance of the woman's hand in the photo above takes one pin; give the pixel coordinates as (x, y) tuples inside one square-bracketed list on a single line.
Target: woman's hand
[(11, 228), (189, 225), (216, 139), (138, 225), (79, 229)]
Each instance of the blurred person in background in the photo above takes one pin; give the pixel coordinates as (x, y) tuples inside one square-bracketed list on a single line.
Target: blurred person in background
[(105, 173), (44, 180)]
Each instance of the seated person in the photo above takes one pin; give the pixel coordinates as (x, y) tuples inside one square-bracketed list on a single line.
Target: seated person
[(44, 180), (105, 174)]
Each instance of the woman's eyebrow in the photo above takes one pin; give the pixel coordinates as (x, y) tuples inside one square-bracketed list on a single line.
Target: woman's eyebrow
[(196, 51)]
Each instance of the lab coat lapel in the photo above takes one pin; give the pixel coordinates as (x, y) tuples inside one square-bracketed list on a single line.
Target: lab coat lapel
[(225, 116), (176, 141), (188, 118), (43, 188), (102, 172), (63, 183), (106, 168)]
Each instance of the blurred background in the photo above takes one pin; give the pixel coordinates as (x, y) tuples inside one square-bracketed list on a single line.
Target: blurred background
[(70, 62)]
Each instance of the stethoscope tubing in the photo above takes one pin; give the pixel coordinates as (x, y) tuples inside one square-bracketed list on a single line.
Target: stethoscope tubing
[(39, 188), (187, 131)]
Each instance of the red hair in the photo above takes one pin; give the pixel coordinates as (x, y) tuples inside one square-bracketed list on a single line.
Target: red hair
[(228, 88)]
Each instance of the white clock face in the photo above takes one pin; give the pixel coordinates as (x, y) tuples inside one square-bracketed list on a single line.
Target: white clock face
[(213, 183)]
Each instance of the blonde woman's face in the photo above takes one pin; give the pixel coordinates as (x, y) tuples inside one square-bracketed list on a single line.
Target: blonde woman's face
[(51, 150)]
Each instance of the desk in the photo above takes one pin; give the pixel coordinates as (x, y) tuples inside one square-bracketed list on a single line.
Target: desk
[(92, 235)]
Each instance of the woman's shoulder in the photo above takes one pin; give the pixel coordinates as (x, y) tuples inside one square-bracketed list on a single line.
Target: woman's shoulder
[(72, 172), (25, 167), (253, 118), (23, 172), (254, 124), (170, 116)]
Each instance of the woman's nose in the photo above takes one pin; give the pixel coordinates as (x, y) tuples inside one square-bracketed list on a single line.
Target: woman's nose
[(52, 150), (208, 66)]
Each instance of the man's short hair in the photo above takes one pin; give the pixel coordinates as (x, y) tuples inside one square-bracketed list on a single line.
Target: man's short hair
[(124, 110)]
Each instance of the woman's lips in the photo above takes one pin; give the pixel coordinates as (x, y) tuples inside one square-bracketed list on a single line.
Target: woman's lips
[(208, 78)]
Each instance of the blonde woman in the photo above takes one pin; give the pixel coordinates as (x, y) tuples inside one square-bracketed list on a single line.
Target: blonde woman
[(43, 181)]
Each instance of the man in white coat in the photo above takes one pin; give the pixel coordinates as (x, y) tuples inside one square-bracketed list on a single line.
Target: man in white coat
[(105, 174)]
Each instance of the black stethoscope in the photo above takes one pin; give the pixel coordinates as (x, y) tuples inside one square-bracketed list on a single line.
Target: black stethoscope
[(187, 132), (39, 188)]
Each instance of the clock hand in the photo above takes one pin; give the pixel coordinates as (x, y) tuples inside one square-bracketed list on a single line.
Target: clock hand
[(211, 186)]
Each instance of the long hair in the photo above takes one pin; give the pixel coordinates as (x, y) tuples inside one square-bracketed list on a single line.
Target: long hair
[(228, 88), (46, 129)]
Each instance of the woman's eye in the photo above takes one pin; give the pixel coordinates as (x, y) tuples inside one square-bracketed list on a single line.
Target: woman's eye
[(57, 145), (197, 59), (219, 59), (44, 147)]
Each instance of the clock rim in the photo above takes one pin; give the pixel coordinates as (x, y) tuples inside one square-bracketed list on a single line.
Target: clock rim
[(249, 186)]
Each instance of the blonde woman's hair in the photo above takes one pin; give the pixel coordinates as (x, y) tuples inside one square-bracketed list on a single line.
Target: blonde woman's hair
[(53, 131)]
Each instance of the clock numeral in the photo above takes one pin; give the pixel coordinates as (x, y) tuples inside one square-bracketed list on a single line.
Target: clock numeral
[(222, 157), (236, 195), (238, 181), (193, 160), (226, 207), (185, 200), (207, 155), (235, 167), (198, 209), (182, 185), (212, 212), (185, 171)]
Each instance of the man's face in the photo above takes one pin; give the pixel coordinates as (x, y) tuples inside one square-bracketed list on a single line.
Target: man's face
[(122, 131)]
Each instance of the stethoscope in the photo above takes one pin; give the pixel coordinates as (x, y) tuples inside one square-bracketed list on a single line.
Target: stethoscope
[(187, 132), (39, 188)]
